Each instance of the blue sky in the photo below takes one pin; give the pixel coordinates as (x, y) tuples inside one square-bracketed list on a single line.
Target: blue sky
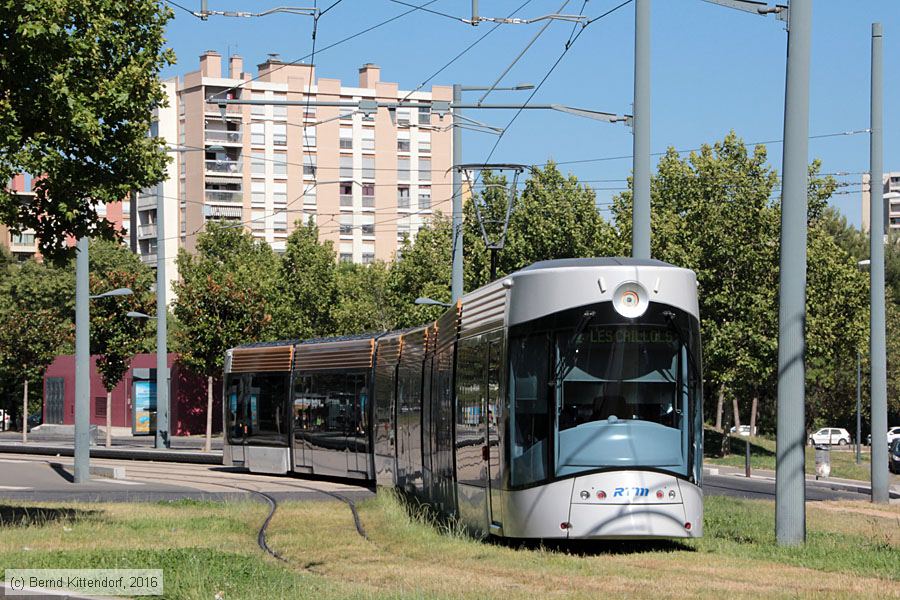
[(713, 70)]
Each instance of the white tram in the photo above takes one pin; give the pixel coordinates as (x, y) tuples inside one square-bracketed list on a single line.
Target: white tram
[(561, 401)]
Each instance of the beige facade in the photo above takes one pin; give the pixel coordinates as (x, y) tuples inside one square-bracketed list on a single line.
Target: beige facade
[(891, 182), (366, 180)]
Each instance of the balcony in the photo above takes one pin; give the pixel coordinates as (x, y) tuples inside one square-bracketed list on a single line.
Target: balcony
[(145, 202), (346, 200), (220, 136), (149, 259), (225, 167), (225, 196), (368, 201), (147, 231)]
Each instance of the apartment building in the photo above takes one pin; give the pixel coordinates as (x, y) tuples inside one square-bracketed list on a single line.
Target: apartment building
[(891, 183), (24, 245), (367, 180)]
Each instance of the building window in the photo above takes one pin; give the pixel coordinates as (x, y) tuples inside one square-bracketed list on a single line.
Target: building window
[(309, 199), (279, 195), (258, 163), (279, 164), (258, 134), (346, 193), (368, 139), (368, 229), (424, 170), (403, 197), (368, 168), (403, 117), (258, 110), (402, 145), (368, 258), (279, 110), (258, 194), (279, 134), (346, 113), (347, 225), (309, 165), (424, 198), (424, 142), (258, 220), (309, 137), (403, 169), (368, 195), (346, 257), (402, 232), (346, 139), (424, 115), (100, 406), (280, 224), (346, 167)]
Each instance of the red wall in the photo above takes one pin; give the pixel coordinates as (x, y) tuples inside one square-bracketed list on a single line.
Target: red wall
[(188, 395)]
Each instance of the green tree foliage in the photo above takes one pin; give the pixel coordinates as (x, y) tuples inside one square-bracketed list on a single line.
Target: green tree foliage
[(306, 286), (422, 270), (79, 83), (115, 337), (224, 298), (363, 302)]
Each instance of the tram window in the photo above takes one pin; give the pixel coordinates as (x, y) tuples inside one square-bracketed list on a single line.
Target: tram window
[(265, 401), (233, 425), (333, 406), (530, 417), (470, 405)]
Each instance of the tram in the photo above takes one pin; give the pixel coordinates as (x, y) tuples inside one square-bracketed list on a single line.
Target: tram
[(561, 401)]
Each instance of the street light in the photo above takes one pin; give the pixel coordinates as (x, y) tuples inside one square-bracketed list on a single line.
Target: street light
[(115, 292), (431, 302), (138, 315)]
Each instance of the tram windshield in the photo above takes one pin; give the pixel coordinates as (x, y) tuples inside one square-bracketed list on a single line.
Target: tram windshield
[(591, 394)]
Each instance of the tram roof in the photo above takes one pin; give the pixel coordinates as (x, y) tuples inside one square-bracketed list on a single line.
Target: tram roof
[(606, 261)]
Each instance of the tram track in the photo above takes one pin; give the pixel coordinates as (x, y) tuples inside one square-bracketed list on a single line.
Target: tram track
[(162, 475)]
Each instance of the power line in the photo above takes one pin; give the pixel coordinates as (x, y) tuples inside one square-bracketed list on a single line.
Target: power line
[(428, 10), (187, 10), (346, 39)]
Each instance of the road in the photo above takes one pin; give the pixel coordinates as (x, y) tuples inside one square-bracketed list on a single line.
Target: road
[(764, 488)]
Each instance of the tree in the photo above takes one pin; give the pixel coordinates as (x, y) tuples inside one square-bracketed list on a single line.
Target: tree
[(305, 286), (115, 337), (224, 299), (422, 269), (363, 302), (29, 341), (78, 84)]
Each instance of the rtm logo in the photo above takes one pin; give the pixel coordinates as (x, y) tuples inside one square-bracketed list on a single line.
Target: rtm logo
[(634, 492)]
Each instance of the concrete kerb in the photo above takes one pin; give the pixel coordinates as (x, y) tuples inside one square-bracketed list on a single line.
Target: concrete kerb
[(149, 454)]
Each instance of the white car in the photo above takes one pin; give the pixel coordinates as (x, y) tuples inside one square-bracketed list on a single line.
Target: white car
[(742, 430), (893, 434), (829, 436)]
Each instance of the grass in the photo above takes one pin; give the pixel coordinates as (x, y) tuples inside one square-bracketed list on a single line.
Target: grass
[(205, 548), (762, 456)]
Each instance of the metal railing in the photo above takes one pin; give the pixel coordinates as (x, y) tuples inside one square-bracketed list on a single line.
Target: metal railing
[(145, 231), (148, 259), (229, 197), (346, 200), (221, 135), (229, 167)]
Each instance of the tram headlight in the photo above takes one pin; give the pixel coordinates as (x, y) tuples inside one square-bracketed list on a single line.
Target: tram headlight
[(585, 494), (631, 299)]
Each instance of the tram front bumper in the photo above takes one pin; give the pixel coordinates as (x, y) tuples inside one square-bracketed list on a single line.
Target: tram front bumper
[(634, 504)]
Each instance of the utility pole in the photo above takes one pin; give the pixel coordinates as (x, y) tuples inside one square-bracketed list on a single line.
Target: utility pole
[(640, 215), (790, 481), (858, 408), (162, 363), (456, 284), (82, 365), (877, 352)]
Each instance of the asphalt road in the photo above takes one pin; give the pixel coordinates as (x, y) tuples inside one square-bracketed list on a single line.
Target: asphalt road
[(764, 488)]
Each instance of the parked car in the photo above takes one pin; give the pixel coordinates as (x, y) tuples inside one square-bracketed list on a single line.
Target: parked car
[(829, 436), (742, 430), (4, 420), (34, 420), (894, 457), (892, 434)]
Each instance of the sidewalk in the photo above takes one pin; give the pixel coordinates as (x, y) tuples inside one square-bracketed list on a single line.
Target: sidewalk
[(66, 436), (182, 450), (853, 485)]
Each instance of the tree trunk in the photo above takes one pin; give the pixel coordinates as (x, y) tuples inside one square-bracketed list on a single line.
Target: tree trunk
[(720, 407), (108, 419), (25, 413), (753, 408), (737, 414), (209, 406)]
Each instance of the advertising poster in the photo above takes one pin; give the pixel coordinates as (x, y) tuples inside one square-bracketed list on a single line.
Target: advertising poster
[(144, 407)]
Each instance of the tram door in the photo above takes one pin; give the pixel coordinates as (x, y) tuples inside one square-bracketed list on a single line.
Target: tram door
[(493, 414), (236, 420)]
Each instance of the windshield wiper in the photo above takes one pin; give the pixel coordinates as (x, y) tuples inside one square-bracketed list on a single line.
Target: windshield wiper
[(572, 347)]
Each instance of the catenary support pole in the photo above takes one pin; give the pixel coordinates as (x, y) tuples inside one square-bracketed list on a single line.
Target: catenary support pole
[(640, 218), (858, 408), (82, 365), (877, 352), (456, 283), (25, 411), (790, 481), (162, 366)]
